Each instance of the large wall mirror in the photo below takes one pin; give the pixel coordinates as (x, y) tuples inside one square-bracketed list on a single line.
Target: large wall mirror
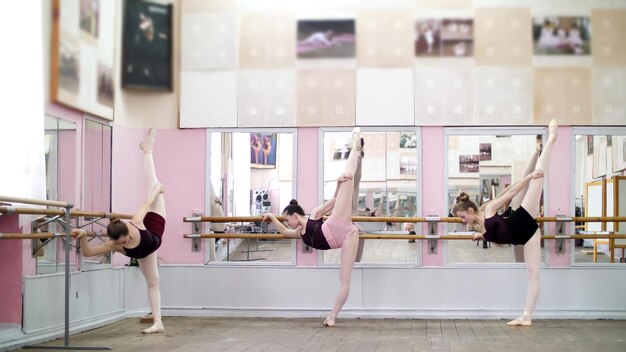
[(388, 187), (61, 162), (599, 190), (97, 185), (482, 163), (251, 173)]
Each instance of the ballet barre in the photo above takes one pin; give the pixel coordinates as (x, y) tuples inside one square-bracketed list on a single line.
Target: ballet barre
[(61, 212), (426, 219), (58, 216), (37, 235), (395, 236)]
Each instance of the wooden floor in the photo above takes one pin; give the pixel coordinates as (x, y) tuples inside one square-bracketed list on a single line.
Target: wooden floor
[(278, 335)]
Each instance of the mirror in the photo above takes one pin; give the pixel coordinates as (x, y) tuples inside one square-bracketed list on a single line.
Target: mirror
[(60, 163), (251, 173), (600, 157), (482, 165), (388, 187), (97, 185)]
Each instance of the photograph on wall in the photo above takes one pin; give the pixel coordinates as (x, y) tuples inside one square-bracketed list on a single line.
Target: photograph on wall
[(105, 85), (89, 16), (561, 35), (469, 163), (484, 149), (408, 166), (451, 37), (263, 150), (147, 46), (618, 147), (82, 56), (599, 156), (408, 140), (325, 39)]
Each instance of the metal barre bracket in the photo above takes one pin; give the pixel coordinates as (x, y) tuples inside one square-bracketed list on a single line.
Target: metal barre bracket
[(560, 236), (432, 235), (196, 229), (195, 218)]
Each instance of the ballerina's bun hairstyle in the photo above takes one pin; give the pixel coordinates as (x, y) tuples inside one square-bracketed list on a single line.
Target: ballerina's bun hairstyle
[(463, 203), (293, 207), (116, 229)]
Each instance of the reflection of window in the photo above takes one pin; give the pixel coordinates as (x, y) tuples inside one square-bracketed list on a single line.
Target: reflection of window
[(387, 187)]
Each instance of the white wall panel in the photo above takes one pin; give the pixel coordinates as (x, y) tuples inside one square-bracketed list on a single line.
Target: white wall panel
[(385, 97), (208, 99)]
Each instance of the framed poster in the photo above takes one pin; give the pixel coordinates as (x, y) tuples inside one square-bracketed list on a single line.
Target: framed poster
[(561, 35), (263, 150), (82, 55), (469, 163), (325, 39), (147, 45), (449, 37)]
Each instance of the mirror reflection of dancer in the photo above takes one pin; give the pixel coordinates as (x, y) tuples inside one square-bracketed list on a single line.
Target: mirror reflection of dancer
[(142, 238), (520, 227), (336, 232), (358, 173)]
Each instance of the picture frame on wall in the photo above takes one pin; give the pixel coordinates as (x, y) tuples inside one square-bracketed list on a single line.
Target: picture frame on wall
[(618, 148), (599, 156), (561, 35), (485, 151), (263, 150), (82, 59), (326, 38), (444, 37), (469, 163), (147, 46)]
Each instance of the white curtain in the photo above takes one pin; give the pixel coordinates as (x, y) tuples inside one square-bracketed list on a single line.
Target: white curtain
[(22, 169)]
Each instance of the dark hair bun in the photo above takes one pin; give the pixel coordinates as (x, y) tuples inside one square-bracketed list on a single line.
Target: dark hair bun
[(463, 197), (293, 202), (114, 220)]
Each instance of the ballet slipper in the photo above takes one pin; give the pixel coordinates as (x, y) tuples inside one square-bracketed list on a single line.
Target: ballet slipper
[(148, 142), (519, 322), (154, 329), (356, 139), (552, 128), (329, 321)]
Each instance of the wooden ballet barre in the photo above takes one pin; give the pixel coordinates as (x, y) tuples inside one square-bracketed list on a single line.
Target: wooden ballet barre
[(27, 236), (38, 235), (60, 212), (393, 236), (582, 219), (52, 203), (354, 218)]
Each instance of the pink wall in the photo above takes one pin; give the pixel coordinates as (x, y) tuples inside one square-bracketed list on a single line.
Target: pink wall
[(307, 183), (180, 159), (11, 272), (433, 186)]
